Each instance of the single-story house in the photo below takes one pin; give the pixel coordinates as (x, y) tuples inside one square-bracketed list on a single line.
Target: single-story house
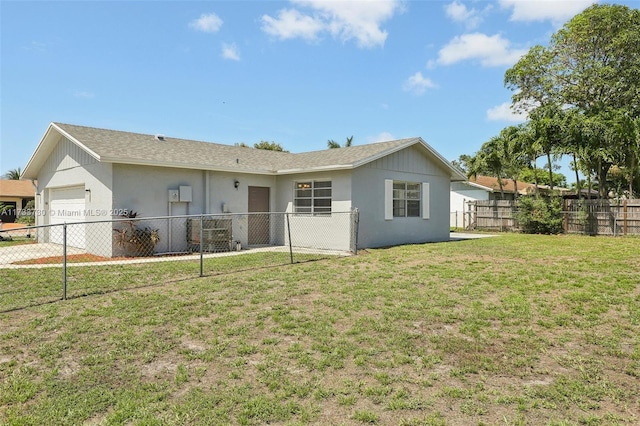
[(14, 196), (400, 187)]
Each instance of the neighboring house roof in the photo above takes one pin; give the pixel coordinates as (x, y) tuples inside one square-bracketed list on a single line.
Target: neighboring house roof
[(134, 148), (17, 188), (491, 184)]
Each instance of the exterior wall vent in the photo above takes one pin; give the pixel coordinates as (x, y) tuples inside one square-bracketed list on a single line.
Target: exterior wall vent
[(159, 137)]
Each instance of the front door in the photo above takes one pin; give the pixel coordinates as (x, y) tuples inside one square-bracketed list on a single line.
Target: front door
[(258, 216)]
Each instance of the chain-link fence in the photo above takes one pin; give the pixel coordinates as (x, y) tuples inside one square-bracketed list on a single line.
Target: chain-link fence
[(41, 264)]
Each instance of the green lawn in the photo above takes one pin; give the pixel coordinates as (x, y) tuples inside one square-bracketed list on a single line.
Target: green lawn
[(513, 330)]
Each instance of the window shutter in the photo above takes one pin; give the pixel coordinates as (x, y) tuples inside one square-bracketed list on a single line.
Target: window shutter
[(388, 199), (425, 200)]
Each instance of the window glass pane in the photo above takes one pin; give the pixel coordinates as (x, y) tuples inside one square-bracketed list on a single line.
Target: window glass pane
[(398, 194), (413, 187), (398, 208), (302, 202), (303, 193), (413, 195), (322, 202), (322, 193), (303, 185), (325, 184), (413, 208), (303, 209)]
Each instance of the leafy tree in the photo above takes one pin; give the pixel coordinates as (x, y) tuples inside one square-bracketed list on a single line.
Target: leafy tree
[(270, 146), (590, 72), (462, 163), (530, 175), (13, 174)]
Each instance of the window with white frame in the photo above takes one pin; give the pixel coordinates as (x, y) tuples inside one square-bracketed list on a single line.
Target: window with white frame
[(406, 199), (312, 197)]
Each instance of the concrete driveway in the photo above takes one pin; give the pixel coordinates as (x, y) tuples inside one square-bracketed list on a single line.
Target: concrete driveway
[(17, 253)]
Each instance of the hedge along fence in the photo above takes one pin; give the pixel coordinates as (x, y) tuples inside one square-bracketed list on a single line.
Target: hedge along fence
[(589, 217)]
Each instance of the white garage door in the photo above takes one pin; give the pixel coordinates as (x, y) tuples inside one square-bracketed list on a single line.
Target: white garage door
[(67, 206)]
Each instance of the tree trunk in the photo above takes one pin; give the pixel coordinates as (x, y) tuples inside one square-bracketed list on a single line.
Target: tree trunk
[(535, 177), (550, 170), (603, 170), (575, 167)]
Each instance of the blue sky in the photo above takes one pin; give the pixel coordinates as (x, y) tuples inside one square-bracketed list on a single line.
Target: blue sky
[(295, 72)]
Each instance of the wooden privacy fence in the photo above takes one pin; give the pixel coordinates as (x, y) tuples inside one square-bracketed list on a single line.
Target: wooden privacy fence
[(590, 217)]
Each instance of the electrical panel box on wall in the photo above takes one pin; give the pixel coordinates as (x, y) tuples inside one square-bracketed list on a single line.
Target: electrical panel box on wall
[(185, 194), (174, 196)]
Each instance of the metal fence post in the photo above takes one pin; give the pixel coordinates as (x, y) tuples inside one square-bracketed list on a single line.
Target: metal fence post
[(356, 220), (64, 261), (201, 248), (289, 233)]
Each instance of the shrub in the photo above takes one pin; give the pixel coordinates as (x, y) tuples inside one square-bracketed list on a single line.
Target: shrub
[(540, 215), (27, 214)]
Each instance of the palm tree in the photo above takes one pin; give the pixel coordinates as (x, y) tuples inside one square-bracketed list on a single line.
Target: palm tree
[(349, 141), (331, 144), (13, 174)]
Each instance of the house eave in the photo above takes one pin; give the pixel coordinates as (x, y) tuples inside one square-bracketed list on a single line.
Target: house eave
[(191, 166), (315, 169)]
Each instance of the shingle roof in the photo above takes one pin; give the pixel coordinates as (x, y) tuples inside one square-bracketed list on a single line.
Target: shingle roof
[(17, 188), (491, 182), (135, 148)]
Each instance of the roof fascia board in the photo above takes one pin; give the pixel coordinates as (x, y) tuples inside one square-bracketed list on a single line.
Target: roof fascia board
[(37, 152), (315, 169), (477, 185)]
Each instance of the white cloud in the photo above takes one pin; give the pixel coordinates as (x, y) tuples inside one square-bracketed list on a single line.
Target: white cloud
[(418, 84), (541, 10), (458, 12), (382, 137), (290, 23), (230, 51), (208, 23), (344, 20), (491, 51), (503, 112)]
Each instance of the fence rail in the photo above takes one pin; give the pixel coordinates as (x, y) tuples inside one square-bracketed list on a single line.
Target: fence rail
[(590, 217), (72, 259)]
